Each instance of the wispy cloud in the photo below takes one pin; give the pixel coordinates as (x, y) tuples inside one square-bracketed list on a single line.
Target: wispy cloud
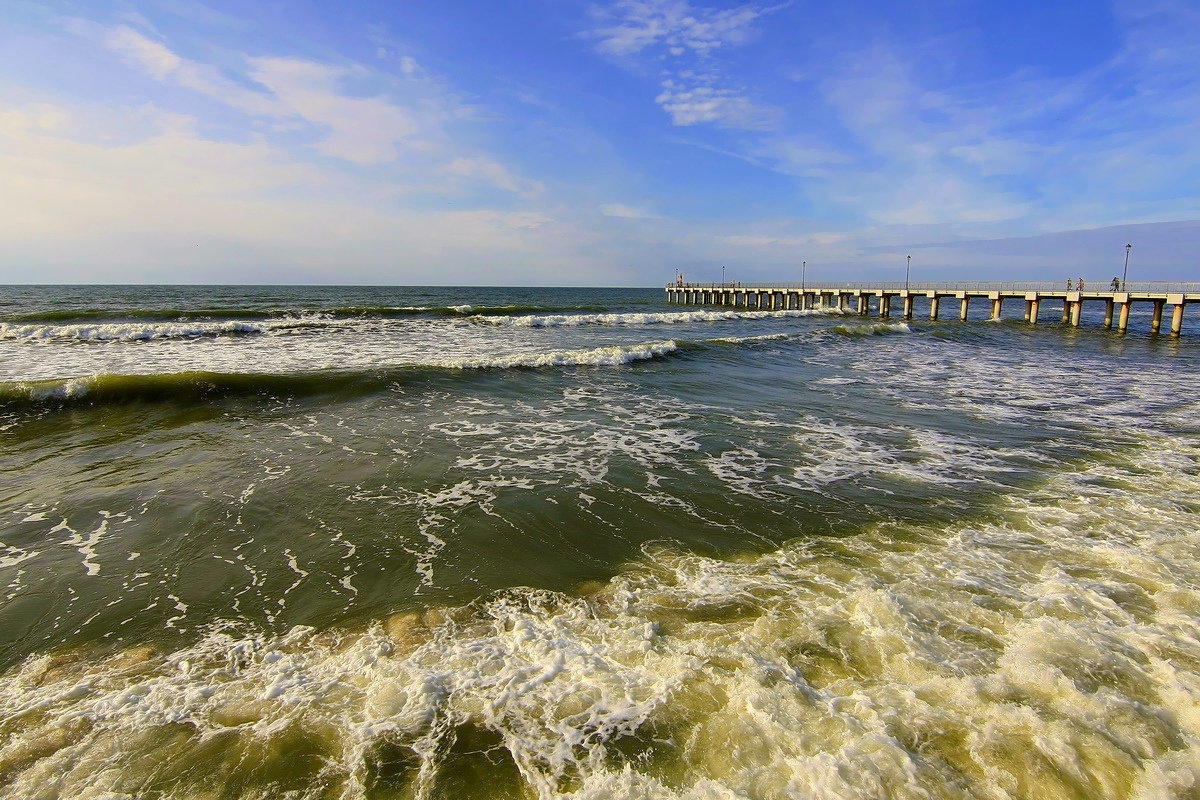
[(365, 130), (675, 25), (622, 211), (682, 36), (494, 174), (175, 206), (160, 63), (362, 130), (690, 104)]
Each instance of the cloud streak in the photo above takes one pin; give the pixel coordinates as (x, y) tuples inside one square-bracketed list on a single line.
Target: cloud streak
[(675, 25), (682, 35)]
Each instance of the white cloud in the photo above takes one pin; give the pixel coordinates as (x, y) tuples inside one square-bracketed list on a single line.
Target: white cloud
[(481, 168), (625, 212), (722, 107), (813, 240), (676, 24), (362, 130), (678, 29), (160, 63), (151, 56), (175, 206), (410, 67)]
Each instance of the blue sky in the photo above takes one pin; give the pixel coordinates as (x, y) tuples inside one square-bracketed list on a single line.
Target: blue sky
[(596, 143)]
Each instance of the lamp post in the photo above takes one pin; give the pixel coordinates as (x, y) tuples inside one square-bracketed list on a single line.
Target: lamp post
[(803, 271), (1125, 274), (907, 270), (722, 276)]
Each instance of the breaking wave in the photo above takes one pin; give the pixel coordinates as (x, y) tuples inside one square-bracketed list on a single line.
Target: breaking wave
[(114, 388)]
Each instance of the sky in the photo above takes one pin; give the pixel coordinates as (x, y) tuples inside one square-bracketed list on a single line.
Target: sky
[(608, 143)]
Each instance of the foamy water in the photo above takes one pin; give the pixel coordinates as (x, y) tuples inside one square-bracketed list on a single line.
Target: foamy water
[(1025, 657)]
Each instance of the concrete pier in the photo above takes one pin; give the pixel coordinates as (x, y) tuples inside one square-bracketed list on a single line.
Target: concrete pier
[(862, 296)]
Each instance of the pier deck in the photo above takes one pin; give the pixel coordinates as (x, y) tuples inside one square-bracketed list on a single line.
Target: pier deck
[(861, 297)]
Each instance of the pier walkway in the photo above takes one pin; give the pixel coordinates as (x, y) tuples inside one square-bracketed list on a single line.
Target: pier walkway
[(862, 297)]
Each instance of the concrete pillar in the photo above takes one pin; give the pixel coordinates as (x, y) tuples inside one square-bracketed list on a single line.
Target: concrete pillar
[(1156, 321), (1076, 313), (1032, 301), (908, 304), (964, 306), (885, 306), (1176, 300), (933, 307), (1108, 312), (997, 304), (1123, 316), (1066, 311), (864, 300)]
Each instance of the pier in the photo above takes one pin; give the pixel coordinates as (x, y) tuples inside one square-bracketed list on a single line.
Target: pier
[(863, 298)]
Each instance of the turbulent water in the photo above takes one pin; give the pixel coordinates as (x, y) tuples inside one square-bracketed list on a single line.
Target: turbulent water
[(265, 542)]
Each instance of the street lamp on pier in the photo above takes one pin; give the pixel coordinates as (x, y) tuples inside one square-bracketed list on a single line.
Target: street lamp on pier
[(907, 270), (722, 276), (1125, 274), (803, 270)]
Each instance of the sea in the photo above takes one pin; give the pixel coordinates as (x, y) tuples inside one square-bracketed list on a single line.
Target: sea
[(331, 543)]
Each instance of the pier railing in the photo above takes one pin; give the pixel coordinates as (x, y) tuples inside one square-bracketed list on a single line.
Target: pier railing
[(808, 295), (1152, 287)]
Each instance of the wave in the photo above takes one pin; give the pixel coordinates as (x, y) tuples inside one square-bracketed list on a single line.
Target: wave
[(131, 331), (597, 356), (197, 385), (463, 310), (219, 315), (766, 337), (636, 318), (98, 315), (873, 329)]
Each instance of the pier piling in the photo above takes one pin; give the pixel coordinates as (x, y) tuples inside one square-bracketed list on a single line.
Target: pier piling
[(859, 297)]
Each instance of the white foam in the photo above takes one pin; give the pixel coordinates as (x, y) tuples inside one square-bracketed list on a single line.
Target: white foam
[(11, 555), (128, 332), (599, 356), (74, 387), (873, 328), (987, 662), (766, 337), (646, 318)]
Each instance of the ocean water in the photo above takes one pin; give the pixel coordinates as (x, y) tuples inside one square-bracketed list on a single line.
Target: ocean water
[(272, 542)]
